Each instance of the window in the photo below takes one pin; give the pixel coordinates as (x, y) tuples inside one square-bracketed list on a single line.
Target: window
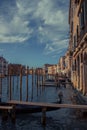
[(74, 42), (77, 31), (85, 11), (81, 16), (76, 1), (72, 27)]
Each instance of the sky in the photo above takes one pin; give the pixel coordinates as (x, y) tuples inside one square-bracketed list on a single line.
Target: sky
[(33, 32)]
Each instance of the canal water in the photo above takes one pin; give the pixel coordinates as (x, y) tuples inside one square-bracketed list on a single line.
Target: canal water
[(61, 119)]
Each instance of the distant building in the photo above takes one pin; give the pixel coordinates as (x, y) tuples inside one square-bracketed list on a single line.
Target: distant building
[(52, 69), (3, 66), (68, 60), (39, 71), (62, 64), (16, 69)]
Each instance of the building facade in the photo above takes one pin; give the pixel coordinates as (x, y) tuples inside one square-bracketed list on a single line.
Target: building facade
[(3, 66), (78, 43), (68, 60), (62, 65), (16, 69)]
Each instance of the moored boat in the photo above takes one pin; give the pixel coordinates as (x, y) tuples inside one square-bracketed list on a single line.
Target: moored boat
[(48, 82)]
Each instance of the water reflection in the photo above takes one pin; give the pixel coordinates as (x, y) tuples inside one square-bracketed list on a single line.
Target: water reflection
[(62, 119)]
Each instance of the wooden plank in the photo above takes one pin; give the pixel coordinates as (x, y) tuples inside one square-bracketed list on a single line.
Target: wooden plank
[(53, 105), (6, 107)]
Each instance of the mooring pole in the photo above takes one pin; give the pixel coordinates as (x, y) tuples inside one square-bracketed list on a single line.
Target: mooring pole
[(4, 115), (21, 83), (32, 77), (32, 84), (37, 82), (27, 83), (39, 77), (13, 114), (13, 82), (17, 80), (0, 86), (43, 119), (35, 76), (10, 85), (40, 80)]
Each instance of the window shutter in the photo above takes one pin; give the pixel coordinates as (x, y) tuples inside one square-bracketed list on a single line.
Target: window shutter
[(85, 11)]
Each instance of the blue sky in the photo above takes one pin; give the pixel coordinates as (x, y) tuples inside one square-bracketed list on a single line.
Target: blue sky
[(33, 32)]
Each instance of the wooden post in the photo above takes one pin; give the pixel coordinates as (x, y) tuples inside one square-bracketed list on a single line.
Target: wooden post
[(35, 76), (13, 115), (42, 83), (32, 84), (27, 83), (37, 82), (17, 81), (4, 115), (55, 78), (13, 82), (39, 78), (0, 86), (42, 80), (10, 88), (21, 83), (43, 119), (32, 77), (10, 85)]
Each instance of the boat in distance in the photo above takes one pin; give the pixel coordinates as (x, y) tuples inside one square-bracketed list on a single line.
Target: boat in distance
[(48, 82)]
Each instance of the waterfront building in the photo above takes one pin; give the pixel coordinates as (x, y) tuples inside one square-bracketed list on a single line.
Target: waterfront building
[(52, 69), (16, 69), (68, 59), (3, 66), (62, 65), (39, 71), (58, 69), (78, 43)]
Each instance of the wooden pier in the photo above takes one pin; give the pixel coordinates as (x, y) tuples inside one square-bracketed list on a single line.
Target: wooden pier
[(6, 107), (44, 106), (53, 105)]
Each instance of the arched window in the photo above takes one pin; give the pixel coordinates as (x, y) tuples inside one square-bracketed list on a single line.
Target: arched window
[(85, 58)]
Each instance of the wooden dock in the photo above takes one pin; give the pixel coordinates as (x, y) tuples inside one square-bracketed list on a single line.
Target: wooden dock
[(6, 107), (44, 105)]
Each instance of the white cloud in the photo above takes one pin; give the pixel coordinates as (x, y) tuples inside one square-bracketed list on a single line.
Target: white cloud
[(55, 26), (51, 24), (15, 29), (56, 47), (47, 12), (12, 39)]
